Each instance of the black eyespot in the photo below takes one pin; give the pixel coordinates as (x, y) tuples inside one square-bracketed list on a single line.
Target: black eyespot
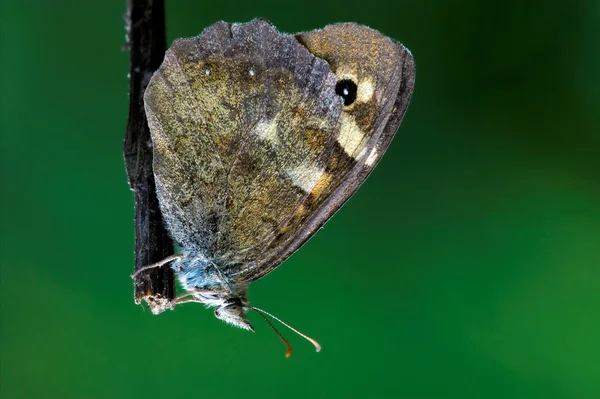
[(347, 90)]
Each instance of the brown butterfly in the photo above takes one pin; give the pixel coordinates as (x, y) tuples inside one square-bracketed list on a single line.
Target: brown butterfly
[(259, 137)]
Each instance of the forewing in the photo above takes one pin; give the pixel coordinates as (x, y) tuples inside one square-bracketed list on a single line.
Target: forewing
[(242, 121)]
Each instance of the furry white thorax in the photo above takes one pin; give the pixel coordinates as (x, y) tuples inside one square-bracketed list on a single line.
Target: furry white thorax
[(201, 278)]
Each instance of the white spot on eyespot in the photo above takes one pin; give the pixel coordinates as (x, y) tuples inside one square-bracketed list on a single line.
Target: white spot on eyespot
[(305, 176), (372, 157), (207, 72), (251, 72), (350, 136)]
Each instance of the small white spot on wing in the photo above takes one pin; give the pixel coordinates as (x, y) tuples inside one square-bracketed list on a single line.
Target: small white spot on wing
[(267, 130), (362, 153), (372, 157), (305, 176)]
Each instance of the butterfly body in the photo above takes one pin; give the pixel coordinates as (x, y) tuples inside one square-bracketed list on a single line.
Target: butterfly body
[(259, 138)]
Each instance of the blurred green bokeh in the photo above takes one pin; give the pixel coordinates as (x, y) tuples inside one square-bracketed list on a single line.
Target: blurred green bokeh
[(467, 266)]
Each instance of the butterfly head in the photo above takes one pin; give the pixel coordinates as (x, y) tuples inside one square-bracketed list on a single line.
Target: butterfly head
[(233, 311)]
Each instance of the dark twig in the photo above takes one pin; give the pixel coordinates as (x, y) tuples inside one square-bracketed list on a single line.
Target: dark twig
[(147, 44)]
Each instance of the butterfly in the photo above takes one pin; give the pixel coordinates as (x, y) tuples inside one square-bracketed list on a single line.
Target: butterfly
[(259, 137)]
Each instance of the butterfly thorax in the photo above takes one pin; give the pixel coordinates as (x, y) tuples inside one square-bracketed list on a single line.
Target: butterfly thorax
[(202, 279)]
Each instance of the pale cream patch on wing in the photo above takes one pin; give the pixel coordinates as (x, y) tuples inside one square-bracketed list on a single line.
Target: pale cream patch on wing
[(350, 136), (267, 130), (305, 176), (365, 91)]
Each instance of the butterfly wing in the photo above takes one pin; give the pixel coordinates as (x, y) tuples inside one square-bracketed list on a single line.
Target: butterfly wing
[(384, 73), (254, 149), (243, 121)]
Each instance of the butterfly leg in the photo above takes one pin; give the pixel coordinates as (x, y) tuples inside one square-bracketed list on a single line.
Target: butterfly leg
[(189, 296), (163, 262), (183, 299)]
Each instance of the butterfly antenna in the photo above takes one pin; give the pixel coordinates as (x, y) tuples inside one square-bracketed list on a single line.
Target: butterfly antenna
[(287, 344), (285, 341)]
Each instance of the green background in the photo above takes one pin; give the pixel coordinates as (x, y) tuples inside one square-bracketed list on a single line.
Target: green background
[(467, 266)]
